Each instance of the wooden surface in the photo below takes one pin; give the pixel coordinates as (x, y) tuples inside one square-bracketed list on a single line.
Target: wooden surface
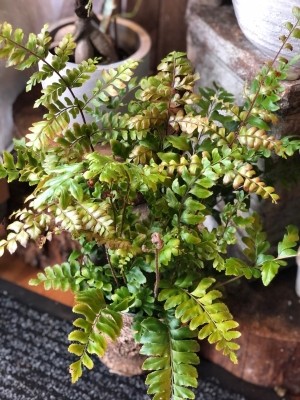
[(165, 22), (269, 319), (14, 269)]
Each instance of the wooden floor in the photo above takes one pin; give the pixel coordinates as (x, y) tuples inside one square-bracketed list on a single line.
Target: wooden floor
[(13, 269)]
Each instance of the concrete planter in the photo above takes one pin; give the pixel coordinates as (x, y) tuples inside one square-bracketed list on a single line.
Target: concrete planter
[(262, 22)]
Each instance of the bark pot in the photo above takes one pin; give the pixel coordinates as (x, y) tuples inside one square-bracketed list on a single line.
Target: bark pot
[(122, 356)]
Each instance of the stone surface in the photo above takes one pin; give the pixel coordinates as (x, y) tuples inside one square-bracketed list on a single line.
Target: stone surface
[(269, 321), (262, 22), (221, 53)]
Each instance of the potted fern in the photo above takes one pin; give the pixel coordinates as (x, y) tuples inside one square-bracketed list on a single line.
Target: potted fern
[(141, 214)]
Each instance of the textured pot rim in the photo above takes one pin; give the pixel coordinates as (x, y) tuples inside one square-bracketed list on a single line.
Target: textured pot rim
[(144, 39)]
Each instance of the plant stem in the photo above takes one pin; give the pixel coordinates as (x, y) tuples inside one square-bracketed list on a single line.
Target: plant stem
[(235, 278), (157, 274), (111, 267), (244, 122)]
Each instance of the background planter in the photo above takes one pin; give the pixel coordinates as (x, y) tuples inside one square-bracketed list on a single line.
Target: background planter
[(132, 38), (262, 22)]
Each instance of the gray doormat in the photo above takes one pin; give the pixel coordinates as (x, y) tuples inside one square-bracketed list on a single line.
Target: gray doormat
[(34, 359)]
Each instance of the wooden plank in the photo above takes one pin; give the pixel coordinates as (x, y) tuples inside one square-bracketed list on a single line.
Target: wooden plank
[(165, 22), (148, 18), (172, 27)]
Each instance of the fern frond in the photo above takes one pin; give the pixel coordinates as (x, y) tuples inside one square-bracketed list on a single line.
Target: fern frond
[(171, 355), (237, 267), (72, 78), (111, 82), (246, 179), (79, 138), (29, 225), (149, 118), (188, 123), (58, 62), (58, 277), (84, 217), (257, 139), (19, 53), (286, 248), (98, 324), (200, 309), (44, 132)]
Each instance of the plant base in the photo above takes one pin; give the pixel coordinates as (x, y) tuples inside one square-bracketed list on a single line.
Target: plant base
[(122, 357)]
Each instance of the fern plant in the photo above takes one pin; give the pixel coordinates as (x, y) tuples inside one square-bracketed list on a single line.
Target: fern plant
[(141, 214)]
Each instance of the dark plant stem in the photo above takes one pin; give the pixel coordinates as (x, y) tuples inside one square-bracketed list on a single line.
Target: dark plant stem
[(270, 65), (235, 278), (157, 274), (111, 267), (126, 202)]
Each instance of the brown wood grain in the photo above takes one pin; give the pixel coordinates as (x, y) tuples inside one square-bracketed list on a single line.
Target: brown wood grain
[(165, 22), (172, 27)]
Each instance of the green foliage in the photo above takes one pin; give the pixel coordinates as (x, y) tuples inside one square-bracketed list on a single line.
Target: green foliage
[(97, 324), (178, 160), (203, 312), (171, 352)]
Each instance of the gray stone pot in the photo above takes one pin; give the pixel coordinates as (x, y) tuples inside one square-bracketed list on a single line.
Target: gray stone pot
[(262, 22)]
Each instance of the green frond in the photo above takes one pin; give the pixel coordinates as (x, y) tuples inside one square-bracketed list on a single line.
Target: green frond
[(98, 324), (111, 82), (58, 277), (19, 53), (58, 183), (237, 267), (79, 138), (171, 356), (72, 78), (57, 63), (202, 310), (286, 248)]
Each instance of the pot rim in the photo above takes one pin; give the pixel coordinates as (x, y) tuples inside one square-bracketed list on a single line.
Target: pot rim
[(144, 40)]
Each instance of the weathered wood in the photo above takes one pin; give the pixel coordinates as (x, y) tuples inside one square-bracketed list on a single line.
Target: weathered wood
[(172, 27), (147, 17), (270, 325), (165, 22)]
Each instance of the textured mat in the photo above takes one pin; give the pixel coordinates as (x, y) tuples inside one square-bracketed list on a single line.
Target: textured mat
[(34, 361)]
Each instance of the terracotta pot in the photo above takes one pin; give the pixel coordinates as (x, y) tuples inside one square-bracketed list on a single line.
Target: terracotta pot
[(262, 22), (122, 357)]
